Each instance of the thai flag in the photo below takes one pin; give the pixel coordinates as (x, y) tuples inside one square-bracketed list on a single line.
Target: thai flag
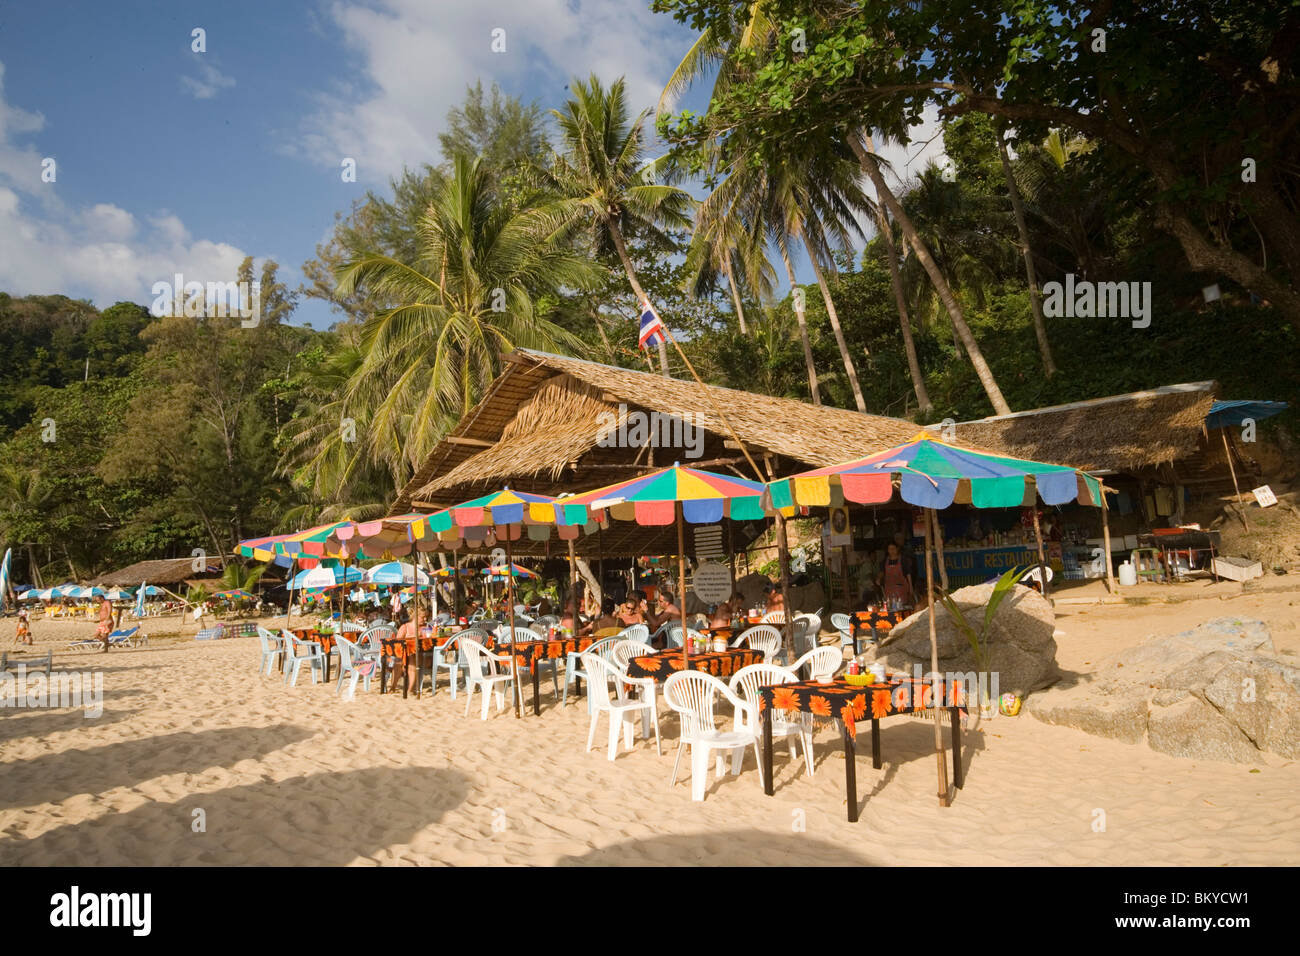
[(651, 327)]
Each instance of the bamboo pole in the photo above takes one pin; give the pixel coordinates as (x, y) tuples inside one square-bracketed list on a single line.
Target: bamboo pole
[(943, 564), (932, 520), (510, 604), (573, 587), (288, 613), (681, 581), (1042, 561), (1105, 542), (1233, 468)]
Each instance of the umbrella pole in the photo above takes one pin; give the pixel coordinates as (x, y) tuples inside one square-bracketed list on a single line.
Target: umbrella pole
[(783, 553), (681, 581), (288, 613), (938, 552), (931, 520), (1233, 468), (731, 553), (573, 586), (455, 585), (510, 603)]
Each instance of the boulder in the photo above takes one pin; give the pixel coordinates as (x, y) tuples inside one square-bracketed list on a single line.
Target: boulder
[(1021, 649), (1215, 692)]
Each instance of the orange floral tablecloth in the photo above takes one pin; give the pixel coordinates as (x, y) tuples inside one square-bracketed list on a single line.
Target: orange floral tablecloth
[(841, 700)]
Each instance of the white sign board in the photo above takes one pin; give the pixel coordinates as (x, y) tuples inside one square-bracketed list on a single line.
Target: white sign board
[(712, 582), (1264, 495)]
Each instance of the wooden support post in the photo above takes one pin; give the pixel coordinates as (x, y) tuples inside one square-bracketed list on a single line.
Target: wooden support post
[(1235, 487), (1042, 561), (1105, 543), (938, 544), (931, 521)]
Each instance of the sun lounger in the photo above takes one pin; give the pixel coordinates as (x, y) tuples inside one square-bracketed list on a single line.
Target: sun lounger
[(210, 633), (124, 637)]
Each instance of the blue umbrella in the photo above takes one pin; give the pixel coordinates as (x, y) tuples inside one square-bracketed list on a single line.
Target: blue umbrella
[(1225, 414), (139, 600), (4, 577), (322, 576), (395, 572)]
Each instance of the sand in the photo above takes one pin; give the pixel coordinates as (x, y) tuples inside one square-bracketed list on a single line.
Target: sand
[(197, 760)]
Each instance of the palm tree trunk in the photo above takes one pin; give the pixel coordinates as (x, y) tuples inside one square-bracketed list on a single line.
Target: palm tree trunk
[(1035, 301), (802, 319), (32, 567), (617, 235), (904, 322), (941, 287), (835, 325), (735, 295)]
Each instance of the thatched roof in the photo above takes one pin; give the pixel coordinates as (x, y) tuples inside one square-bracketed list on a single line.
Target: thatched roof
[(539, 429), (163, 572), (1124, 433), (541, 418)]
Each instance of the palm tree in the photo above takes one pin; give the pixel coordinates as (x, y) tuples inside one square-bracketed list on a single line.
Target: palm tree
[(724, 244), (24, 494), (473, 294), (236, 577), (602, 182), (1035, 300), (865, 151)]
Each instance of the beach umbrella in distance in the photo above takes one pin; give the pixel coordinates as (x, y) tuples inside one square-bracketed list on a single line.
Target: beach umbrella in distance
[(395, 572), (139, 600), (504, 514), (1227, 414), (497, 572), (933, 474), (4, 577), (676, 495), (232, 595), (324, 576), (118, 594)]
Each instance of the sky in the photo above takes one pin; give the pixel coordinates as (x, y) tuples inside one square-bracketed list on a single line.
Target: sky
[(128, 155)]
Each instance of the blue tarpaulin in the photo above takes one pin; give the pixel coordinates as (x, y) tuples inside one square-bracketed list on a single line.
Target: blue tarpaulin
[(1225, 414)]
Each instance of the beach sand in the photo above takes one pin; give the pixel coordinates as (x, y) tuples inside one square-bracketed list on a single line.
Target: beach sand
[(298, 776)]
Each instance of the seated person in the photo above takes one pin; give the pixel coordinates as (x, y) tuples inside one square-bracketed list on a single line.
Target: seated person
[(630, 611), (775, 599), (667, 611), (721, 616), (607, 618), (544, 607)]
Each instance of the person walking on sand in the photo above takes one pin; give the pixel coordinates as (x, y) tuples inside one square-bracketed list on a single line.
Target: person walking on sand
[(105, 627)]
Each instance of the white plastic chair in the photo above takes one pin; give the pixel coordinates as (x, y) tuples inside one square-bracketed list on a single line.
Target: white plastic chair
[(822, 662), (622, 713), (293, 661), (487, 683), (272, 650), (746, 682), (761, 637), (774, 617), (843, 624), (573, 669), (448, 657), (692, 694), (623, 651), (354, 663)]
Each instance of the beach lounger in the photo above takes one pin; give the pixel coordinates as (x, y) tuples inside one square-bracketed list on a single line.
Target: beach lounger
[(210, 633), (123, 638)]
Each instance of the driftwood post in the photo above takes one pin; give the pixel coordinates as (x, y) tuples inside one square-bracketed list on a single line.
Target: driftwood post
[(932, 520)]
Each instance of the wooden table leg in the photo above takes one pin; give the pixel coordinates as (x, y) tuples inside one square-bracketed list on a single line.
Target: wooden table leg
[(766, 719), (850, 772), (956, 747), (875, 743), (402, 676), (327, 667), (537, 696)]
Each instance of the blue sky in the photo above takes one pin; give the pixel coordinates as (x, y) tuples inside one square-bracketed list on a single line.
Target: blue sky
[(170, 160)]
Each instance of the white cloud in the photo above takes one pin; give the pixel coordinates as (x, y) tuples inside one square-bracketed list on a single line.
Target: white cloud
[(98, 252), (417, 58), (211, 82)]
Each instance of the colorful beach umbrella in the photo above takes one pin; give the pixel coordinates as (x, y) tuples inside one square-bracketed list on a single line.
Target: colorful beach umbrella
[(497, 572), (234, 594), (324, 576), (118, 594), (931, 473), (676, 495), (934, 474)]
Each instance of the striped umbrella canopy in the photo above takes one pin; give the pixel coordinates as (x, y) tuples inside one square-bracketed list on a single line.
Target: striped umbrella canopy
[(35, 595), (140, 594), (83, 592), (498, 572), (308, 547), (324, 576), (119, 594), (705, 496), (395, 572), (234, 594), (393, 537), (448, 571), (935, 474)]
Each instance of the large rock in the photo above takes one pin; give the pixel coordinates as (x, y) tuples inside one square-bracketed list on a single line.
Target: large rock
[(1021, 649), (1216, 692)]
